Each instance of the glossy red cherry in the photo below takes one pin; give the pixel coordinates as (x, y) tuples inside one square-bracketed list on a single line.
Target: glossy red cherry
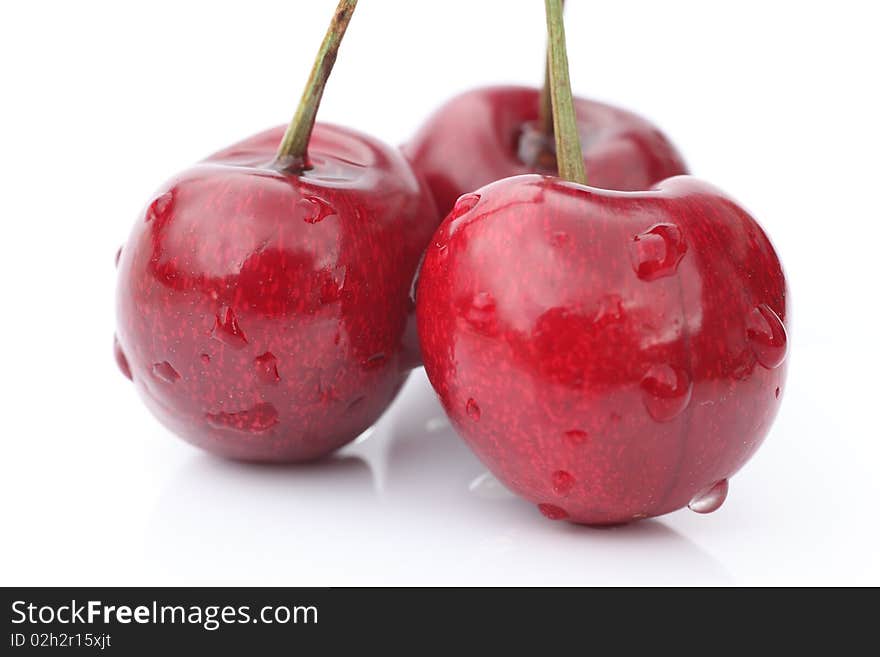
[(263, 315), (492, 133), (609, 356)]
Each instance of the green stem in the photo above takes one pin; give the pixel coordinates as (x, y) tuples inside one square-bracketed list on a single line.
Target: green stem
[(569, 157), (292, 155), (545, 109)]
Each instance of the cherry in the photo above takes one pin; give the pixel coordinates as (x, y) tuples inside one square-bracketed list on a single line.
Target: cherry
[(609, 356), (264, 295), (491, 133)]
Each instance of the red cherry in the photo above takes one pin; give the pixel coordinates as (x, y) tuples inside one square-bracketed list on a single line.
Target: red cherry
[(632, 354), (263, 314), (491, 133), (264, 301)]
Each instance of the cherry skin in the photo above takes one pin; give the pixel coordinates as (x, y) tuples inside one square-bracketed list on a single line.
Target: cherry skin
[(267, 316), (491, 133), (609, 356)]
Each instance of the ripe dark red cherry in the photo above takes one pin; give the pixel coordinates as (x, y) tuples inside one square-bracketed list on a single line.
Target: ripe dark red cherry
[(492, 133), (264, 308), (263, 315), (609, 356)]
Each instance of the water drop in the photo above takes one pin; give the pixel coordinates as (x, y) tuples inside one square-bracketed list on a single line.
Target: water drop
[(766, 335), (472, 410), (710, 499), (576, 437), (314, 209), (227, 330), (488, 487), (159, 207), (777, 392), (165, 371), (666, 391), (375, 361), (552, 511), (205, 358), (258, 419), (121, 360), (563, 482), (464, 205), (267, 368), (118, 256), (657, 252)]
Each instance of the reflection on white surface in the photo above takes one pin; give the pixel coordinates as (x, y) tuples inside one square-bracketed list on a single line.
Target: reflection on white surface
[(489, 487), (409, 504)]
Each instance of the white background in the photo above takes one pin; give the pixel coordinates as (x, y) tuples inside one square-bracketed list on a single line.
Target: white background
[(775, 102)]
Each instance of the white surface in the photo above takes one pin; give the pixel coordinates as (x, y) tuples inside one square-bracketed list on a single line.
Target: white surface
[(774, 102)]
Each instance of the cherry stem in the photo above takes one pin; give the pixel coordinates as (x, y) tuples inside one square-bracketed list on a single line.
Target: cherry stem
[(569, 158), (545, 109), (292, 155)]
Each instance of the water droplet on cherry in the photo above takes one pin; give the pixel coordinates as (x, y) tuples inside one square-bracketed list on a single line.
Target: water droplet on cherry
[(777, 392), (657, 252), (118, 256), (472, 410), (205, 358), (314, 209), (766, 335), (710, 499), (666, 391), (267, 368), (258, 419), (227, 330), (552, 511), (563, 482), (121, 360), (165, 371)]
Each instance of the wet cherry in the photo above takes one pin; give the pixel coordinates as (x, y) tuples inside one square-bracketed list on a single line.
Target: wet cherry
[(630, 394), (631, 358), (264, 301)]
